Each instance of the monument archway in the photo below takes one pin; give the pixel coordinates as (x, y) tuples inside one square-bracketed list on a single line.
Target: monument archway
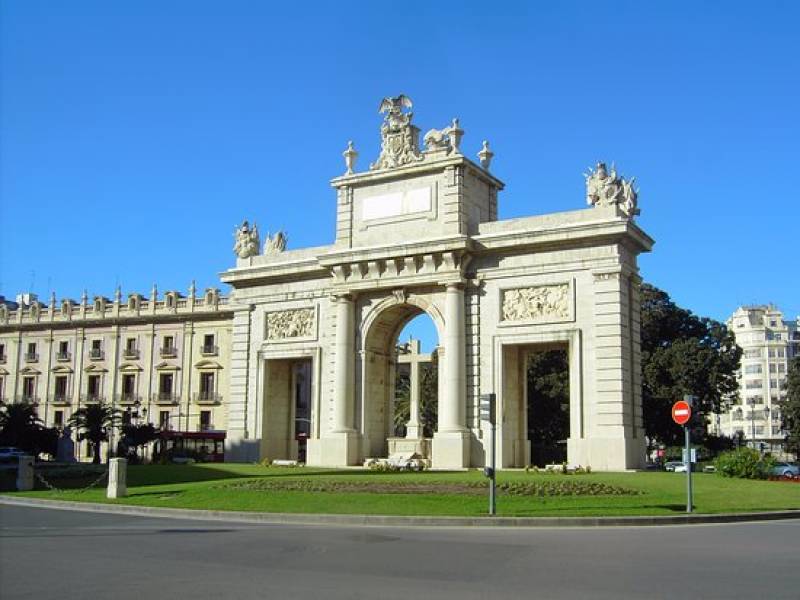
[(418, 230), (375, 415)]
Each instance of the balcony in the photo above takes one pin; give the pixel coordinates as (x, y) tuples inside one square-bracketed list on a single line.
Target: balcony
[(130, 353), (31, 357), (92, 399), (169, 352), (96, 354), (207, 398), (60, 399), (206, 427), (28, 399), (128, 399), (209, 350), (64, 356), (166, 398)]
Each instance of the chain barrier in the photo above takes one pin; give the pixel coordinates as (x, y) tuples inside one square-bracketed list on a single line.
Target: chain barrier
[(53, 488)]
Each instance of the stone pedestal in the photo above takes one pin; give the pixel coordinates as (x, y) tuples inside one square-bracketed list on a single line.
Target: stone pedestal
[(450, 450), (336, 449), (117, 478), (421, 446), (25, 474)]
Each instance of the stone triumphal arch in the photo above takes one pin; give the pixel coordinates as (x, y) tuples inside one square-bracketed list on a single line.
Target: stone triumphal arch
[(314, 332)]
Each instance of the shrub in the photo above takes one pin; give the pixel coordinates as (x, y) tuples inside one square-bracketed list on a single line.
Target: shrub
[(745, 463)]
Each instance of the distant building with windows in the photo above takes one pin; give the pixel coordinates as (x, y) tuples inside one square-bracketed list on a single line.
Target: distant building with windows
[(164, 361), (768, 343)]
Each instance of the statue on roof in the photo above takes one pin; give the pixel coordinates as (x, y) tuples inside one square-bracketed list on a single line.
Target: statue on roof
[(607, 189), (247, 240), (275, 244), (399, 138)]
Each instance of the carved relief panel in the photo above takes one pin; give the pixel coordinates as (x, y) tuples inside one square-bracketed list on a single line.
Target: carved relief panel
[(537, 304), (293, 324)]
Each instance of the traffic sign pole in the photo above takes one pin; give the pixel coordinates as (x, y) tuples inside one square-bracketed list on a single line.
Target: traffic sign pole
[(688, 464), (488, 410)]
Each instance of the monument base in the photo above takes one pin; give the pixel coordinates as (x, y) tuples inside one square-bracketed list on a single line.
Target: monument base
[(450, 450), (421, 446), (607, 454), (336, 450)]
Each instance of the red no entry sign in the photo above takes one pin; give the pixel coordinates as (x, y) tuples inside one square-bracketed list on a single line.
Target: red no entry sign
[(681, 412)]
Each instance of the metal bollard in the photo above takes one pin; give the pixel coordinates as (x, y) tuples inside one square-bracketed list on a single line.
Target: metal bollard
[(117, 478), (25, 473)]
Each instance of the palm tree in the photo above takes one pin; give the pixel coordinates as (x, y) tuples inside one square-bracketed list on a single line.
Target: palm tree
[(19, 425), (95, 422)]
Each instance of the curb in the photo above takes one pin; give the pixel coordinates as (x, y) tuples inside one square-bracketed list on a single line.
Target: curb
[(397, 521)]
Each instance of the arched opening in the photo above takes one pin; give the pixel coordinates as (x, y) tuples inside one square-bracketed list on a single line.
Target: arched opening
[(399, 405), (547, 373)]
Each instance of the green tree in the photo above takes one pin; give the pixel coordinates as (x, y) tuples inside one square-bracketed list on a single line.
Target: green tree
[(21, 427), (94, 423), (790, 407), (137, 436), (683, 354), (548, 405)]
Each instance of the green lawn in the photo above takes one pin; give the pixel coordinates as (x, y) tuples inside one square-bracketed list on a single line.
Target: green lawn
[(307, 490)]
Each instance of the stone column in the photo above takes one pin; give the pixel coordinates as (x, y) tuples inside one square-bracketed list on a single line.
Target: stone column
[(117, 478), (413, 427), (25, 474), (451, 443), (344, 370), (452, 409)]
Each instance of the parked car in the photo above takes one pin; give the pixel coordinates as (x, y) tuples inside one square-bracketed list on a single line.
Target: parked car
[(785, 469), (10, 454), (670, 466)]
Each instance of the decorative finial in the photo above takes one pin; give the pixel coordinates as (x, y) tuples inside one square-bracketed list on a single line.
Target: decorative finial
[(52, 300), (154, 293), (485, 155), (350, 156), (192, 290), (275, 244), (118, 295), (85, 297), (456, 133)]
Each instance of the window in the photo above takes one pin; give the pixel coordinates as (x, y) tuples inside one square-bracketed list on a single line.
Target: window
[(128, 386), (29, 388), (751, 369), (206, 386), (2, 386), (169, 342), (163, 419), (781, 368), (165, 385), (208, 344), (96, 350), (781, 353), (63, 350), (2, 351), (31, 355), (778, 336), (130, 348), (61, 388), (58, 418), (754, 384), (773, 323), (773, 368), (773, 383), (205, 420), (752, 353), (93, 387)]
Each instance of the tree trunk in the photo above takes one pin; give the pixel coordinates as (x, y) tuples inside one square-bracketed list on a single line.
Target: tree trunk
[(96, 457)]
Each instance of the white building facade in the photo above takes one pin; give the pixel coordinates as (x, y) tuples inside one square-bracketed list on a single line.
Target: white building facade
[(768, 343)]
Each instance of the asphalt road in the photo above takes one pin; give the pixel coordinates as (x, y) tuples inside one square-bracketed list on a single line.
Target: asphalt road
[(47, 553)]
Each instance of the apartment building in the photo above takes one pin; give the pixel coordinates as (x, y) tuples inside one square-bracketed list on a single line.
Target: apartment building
[(768, 342), (163, 360)]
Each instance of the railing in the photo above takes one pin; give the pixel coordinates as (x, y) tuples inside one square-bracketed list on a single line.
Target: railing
[(31, 357), (169, 352), (96, 354), (130, 353), (28, 399), (207, 398), (209, 350), (92, 399), (61, 399), (165, 398), (128, 399), (208, 427), (63, 356)]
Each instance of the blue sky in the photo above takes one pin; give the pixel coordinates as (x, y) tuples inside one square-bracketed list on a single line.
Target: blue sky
[(136, 135)]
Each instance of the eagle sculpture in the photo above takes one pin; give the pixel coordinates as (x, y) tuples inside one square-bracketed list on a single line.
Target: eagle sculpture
[(395, 105)]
